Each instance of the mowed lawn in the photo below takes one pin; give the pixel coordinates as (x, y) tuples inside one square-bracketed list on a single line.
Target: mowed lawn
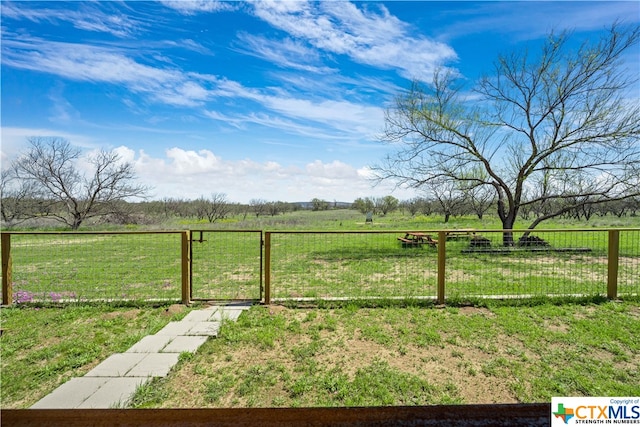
[(348, 355), (353, 356)]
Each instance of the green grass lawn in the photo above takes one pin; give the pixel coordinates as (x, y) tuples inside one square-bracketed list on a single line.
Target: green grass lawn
[(43, 347), (357, 356), (350, 354)]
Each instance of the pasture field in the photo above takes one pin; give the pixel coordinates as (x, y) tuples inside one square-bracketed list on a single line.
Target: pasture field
[(341, 258), (85, 267)]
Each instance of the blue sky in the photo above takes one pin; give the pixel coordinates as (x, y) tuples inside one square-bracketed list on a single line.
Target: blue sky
[(277, 100)]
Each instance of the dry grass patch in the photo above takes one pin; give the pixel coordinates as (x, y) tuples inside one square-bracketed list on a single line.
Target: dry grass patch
[(349, 356)]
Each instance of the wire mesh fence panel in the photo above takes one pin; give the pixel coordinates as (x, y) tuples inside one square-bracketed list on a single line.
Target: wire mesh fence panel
[(320, 265), (226, 265), (629, 263), (87, 267), (325, 265), (521, 264)]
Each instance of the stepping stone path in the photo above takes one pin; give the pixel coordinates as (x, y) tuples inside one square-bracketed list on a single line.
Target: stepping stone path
[(113, 382)]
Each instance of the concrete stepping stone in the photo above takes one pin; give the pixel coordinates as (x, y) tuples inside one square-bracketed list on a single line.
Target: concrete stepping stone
[(116, 365), (231, 313), (176, 328), (115, 393), (71, 394), (182, 343), (154, 365), (151, 344), (199, 316), (204, 328)]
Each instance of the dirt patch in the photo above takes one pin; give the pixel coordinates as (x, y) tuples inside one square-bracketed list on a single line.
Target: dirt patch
[(585, 313), (129, 314), (277, 309), (634, 311), (173, 309), (346, 350), (557, 327), (471, 311)]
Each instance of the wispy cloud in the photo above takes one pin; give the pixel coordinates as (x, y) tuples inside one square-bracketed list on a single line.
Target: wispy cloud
[(89, 18), (367, 36), (282, 124), (188, 44), (190, 7), (84, 62), (338, 114), (175, 87), (287, 53)]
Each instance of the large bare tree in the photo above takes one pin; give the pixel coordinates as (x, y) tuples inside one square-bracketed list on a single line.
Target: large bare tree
[(559, 126), (50, 170)]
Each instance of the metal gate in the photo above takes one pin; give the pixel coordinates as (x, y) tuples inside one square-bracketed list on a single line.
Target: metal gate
[(226, 265)]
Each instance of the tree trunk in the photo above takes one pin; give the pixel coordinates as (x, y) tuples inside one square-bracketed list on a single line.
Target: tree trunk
[(76, 222), (507, 224)]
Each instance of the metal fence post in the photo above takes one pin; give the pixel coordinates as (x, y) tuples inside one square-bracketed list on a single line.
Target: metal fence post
[(267, 267), (442, 260), (612, 264), (186, 267), (7, 286)]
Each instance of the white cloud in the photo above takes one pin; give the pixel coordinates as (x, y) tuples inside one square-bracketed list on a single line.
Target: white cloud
[(88, 19), (126, 154), (101, 65), (190, 7), (369, 37), (190, 174), (287, 53)]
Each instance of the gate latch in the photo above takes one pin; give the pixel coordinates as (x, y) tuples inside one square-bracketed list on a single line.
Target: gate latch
[(200, 240)]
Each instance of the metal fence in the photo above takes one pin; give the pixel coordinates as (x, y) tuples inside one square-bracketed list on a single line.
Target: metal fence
[(443, 264), (226, 265), (303, 265), (331, 265), (87, 266)]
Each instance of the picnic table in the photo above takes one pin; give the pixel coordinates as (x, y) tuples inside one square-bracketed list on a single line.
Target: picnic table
[(417, 239), (460, 233)]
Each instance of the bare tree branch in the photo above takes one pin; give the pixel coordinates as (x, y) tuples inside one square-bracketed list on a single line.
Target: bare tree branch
[(50, 169), (559, 117)]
